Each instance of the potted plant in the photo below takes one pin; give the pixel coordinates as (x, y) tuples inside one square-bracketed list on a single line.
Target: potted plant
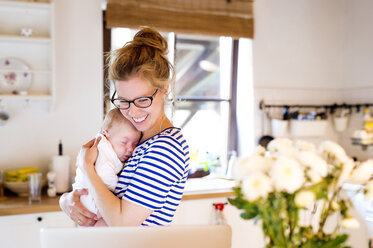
[(294, 189)]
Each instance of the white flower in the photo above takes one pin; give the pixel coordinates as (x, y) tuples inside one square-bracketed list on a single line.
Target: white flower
[(287, 174), (304, 198), (259, 151), (245, 166), (335, 205), (302, 145), (256, 185), (347, 166), (318, 168), (362, 173), (350, 222), (333, 150), (281, 147), (369, 191)]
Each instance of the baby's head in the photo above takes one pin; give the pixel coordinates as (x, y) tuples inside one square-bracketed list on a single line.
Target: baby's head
[(122, 135)]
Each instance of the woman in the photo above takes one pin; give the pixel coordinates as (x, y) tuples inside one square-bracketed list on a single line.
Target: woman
[(151, 184)]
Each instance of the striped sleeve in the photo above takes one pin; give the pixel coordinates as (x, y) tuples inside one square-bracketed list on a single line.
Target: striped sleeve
[(161, 167)]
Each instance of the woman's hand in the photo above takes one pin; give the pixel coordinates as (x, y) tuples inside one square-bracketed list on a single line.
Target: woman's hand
[(71, 205), (91, 153)]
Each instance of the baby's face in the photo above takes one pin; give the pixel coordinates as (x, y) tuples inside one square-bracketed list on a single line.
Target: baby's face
[(124, 139)]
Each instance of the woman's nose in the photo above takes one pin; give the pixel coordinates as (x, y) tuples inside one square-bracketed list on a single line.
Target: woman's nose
[(133, 110)]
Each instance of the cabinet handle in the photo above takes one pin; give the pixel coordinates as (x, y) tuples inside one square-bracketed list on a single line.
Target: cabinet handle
[(39, 219)]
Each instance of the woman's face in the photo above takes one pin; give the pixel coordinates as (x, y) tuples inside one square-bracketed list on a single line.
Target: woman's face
[(144, 119)]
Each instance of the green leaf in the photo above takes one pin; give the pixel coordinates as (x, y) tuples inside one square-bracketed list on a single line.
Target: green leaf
[(237, 202), (336, 242), (326, 242), (248, 215), (321, 189), (344, 208)]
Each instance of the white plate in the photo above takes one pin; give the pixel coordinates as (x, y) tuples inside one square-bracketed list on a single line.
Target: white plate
[(15, 76)]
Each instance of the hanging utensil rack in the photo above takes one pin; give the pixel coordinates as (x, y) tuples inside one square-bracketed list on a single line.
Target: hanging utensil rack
[(331, 108)]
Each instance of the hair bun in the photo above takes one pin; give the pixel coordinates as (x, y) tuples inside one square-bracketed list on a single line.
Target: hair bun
[(151, 38)]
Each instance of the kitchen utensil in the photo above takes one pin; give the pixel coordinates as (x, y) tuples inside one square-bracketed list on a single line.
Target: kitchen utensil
[(279, 127), (264, 140)]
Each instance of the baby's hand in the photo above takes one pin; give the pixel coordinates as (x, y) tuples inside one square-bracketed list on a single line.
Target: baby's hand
[(91, 152)]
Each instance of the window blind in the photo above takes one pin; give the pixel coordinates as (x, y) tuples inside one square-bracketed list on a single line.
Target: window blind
[(204, 17)]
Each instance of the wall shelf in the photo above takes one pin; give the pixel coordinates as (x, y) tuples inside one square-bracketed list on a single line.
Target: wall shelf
[(31, 71), (18, 38), (24, 6), (36, 51), (26, 97), (358, 142)]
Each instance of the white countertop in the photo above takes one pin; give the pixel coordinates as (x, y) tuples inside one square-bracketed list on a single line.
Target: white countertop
[(208, 185)]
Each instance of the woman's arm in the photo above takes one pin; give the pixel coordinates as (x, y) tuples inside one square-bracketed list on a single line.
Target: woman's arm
[(71, 205), (115, 211)]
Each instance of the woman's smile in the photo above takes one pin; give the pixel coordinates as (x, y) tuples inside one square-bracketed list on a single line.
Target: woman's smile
[(140, 119)]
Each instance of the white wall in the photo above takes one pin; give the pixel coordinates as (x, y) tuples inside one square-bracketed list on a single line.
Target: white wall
[(358, 64), (31, 136), (297, 44), (313, 52)]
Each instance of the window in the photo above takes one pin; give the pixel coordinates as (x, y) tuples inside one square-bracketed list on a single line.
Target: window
[(203, 88)]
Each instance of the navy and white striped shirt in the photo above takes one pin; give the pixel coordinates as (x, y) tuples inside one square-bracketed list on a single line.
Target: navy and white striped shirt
[(155, 175)]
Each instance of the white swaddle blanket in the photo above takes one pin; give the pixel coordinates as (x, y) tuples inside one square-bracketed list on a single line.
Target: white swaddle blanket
[(107, 167)]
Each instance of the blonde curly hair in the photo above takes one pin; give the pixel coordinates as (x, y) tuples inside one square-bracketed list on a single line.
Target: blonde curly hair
[(144, 56)]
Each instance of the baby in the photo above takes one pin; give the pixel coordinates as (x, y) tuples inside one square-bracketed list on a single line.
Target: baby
[(118, 140)]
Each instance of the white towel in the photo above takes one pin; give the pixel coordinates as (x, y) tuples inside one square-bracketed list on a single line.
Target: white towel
[(107, 167)]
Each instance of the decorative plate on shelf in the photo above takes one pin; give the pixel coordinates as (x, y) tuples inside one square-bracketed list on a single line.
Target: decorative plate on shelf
[(15, 76)]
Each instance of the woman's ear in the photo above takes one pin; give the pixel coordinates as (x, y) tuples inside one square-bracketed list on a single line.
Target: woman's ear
[(165, 90)]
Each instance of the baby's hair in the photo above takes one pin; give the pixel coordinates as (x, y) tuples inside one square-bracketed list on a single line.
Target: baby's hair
[(114, 116)]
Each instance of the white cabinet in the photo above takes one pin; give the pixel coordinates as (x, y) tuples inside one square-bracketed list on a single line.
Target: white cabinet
[(24, 230), (244, 233), (35, 51)]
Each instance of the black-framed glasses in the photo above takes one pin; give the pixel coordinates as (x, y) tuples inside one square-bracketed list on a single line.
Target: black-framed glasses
[(140, 102)]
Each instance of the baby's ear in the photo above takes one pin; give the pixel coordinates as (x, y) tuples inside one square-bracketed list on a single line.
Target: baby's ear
[(104, 132)]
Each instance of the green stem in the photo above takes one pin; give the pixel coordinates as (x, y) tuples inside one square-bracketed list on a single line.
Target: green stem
[(327, 212)]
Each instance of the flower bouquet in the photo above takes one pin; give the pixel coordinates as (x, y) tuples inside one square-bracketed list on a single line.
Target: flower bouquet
[(295, 190)]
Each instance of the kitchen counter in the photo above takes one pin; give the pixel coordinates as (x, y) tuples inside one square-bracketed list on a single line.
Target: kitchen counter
[(19, 205), (196, 188)]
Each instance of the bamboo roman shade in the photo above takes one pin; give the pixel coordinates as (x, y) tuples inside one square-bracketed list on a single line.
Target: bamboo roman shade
[(206, 17)]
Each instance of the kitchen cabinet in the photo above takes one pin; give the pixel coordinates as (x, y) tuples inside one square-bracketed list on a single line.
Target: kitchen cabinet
[(35, 51), (247, 233), (244, 233), (24, 230)]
